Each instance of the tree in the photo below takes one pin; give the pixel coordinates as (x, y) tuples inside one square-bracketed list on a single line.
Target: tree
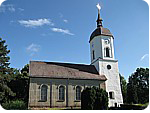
[(123, 84), (25, 71), (14, 84), (94, 98), (101, 101), (131, 92), (5, 73), (20, 83), (88, 98), (138, 86)]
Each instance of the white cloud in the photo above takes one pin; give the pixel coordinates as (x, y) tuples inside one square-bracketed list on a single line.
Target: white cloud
[(33, 48), (8, 7), (62, 17), (1, 1), (144, 56), (66, 21), (20, 9), (36, 23), (11, 8), (65, 31)]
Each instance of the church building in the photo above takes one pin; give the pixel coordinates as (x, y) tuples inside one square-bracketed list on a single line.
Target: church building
[(55, 84)]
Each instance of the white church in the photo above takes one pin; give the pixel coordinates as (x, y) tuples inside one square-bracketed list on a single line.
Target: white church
[(56, 84)]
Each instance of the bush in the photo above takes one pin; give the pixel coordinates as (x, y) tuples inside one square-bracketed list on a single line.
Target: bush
[(132, 107), (14, 105), (146, 104), (94, 98), (101, 101), (88, 98)]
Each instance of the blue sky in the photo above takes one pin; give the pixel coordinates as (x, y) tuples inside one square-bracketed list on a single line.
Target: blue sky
[(59, 30)]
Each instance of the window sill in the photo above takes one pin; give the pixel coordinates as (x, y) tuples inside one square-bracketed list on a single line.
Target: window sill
[(112, 98), (60, 100), (42, 101), (77, 100)]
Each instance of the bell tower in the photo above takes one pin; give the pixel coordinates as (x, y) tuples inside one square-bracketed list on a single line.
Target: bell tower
[(102, 57)]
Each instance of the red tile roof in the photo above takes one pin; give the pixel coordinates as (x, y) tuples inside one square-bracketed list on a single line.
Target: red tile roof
[(64, 70)]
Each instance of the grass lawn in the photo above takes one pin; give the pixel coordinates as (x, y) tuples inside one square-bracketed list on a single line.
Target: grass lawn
[(57, 108)]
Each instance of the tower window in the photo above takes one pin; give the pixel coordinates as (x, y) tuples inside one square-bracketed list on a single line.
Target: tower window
[(111, 95), (107, 52), (108, 66), (93, 54)]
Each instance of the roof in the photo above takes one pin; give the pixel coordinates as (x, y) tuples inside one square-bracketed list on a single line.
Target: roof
[(64, 70), (100, 31)]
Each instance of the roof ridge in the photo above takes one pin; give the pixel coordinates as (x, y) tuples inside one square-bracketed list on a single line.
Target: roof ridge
[(60, 63)]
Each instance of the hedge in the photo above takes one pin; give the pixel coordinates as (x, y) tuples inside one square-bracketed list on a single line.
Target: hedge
[(15, 105)]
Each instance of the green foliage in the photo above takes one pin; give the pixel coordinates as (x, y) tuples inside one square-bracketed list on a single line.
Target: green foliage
[(5, 73), (94, 98), (101, 101), (146, 104), (25, 70), (123, 84), (132, 94), (88, 97), (14, 84), (133, 106), (138, 86), (20, 83), (4, 59), (14, 105)]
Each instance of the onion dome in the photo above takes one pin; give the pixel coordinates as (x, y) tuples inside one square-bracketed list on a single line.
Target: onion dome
[(100, 30)]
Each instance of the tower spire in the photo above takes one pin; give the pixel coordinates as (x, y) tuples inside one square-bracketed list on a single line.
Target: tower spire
[(99, 20)]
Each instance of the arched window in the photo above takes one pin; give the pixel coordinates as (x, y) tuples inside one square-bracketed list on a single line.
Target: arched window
[(111, 95), (107, 52), (61, 93), (78, 93), (44, 93), (93, 54)]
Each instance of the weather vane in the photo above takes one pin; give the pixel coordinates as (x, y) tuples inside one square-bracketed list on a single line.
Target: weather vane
[(98, 6), (99, 20)]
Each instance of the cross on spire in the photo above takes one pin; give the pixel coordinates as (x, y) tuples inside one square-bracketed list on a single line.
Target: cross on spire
[(99, 20)]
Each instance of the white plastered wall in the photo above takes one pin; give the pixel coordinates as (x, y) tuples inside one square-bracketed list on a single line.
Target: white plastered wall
[(100, 62), (113, 80)]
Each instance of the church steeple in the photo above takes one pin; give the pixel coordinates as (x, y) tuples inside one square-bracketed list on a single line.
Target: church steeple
[(100, 30), (99, 20), (101, 41), (102, 57)]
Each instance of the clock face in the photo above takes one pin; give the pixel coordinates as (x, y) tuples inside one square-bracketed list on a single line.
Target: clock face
[(107, 41)]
